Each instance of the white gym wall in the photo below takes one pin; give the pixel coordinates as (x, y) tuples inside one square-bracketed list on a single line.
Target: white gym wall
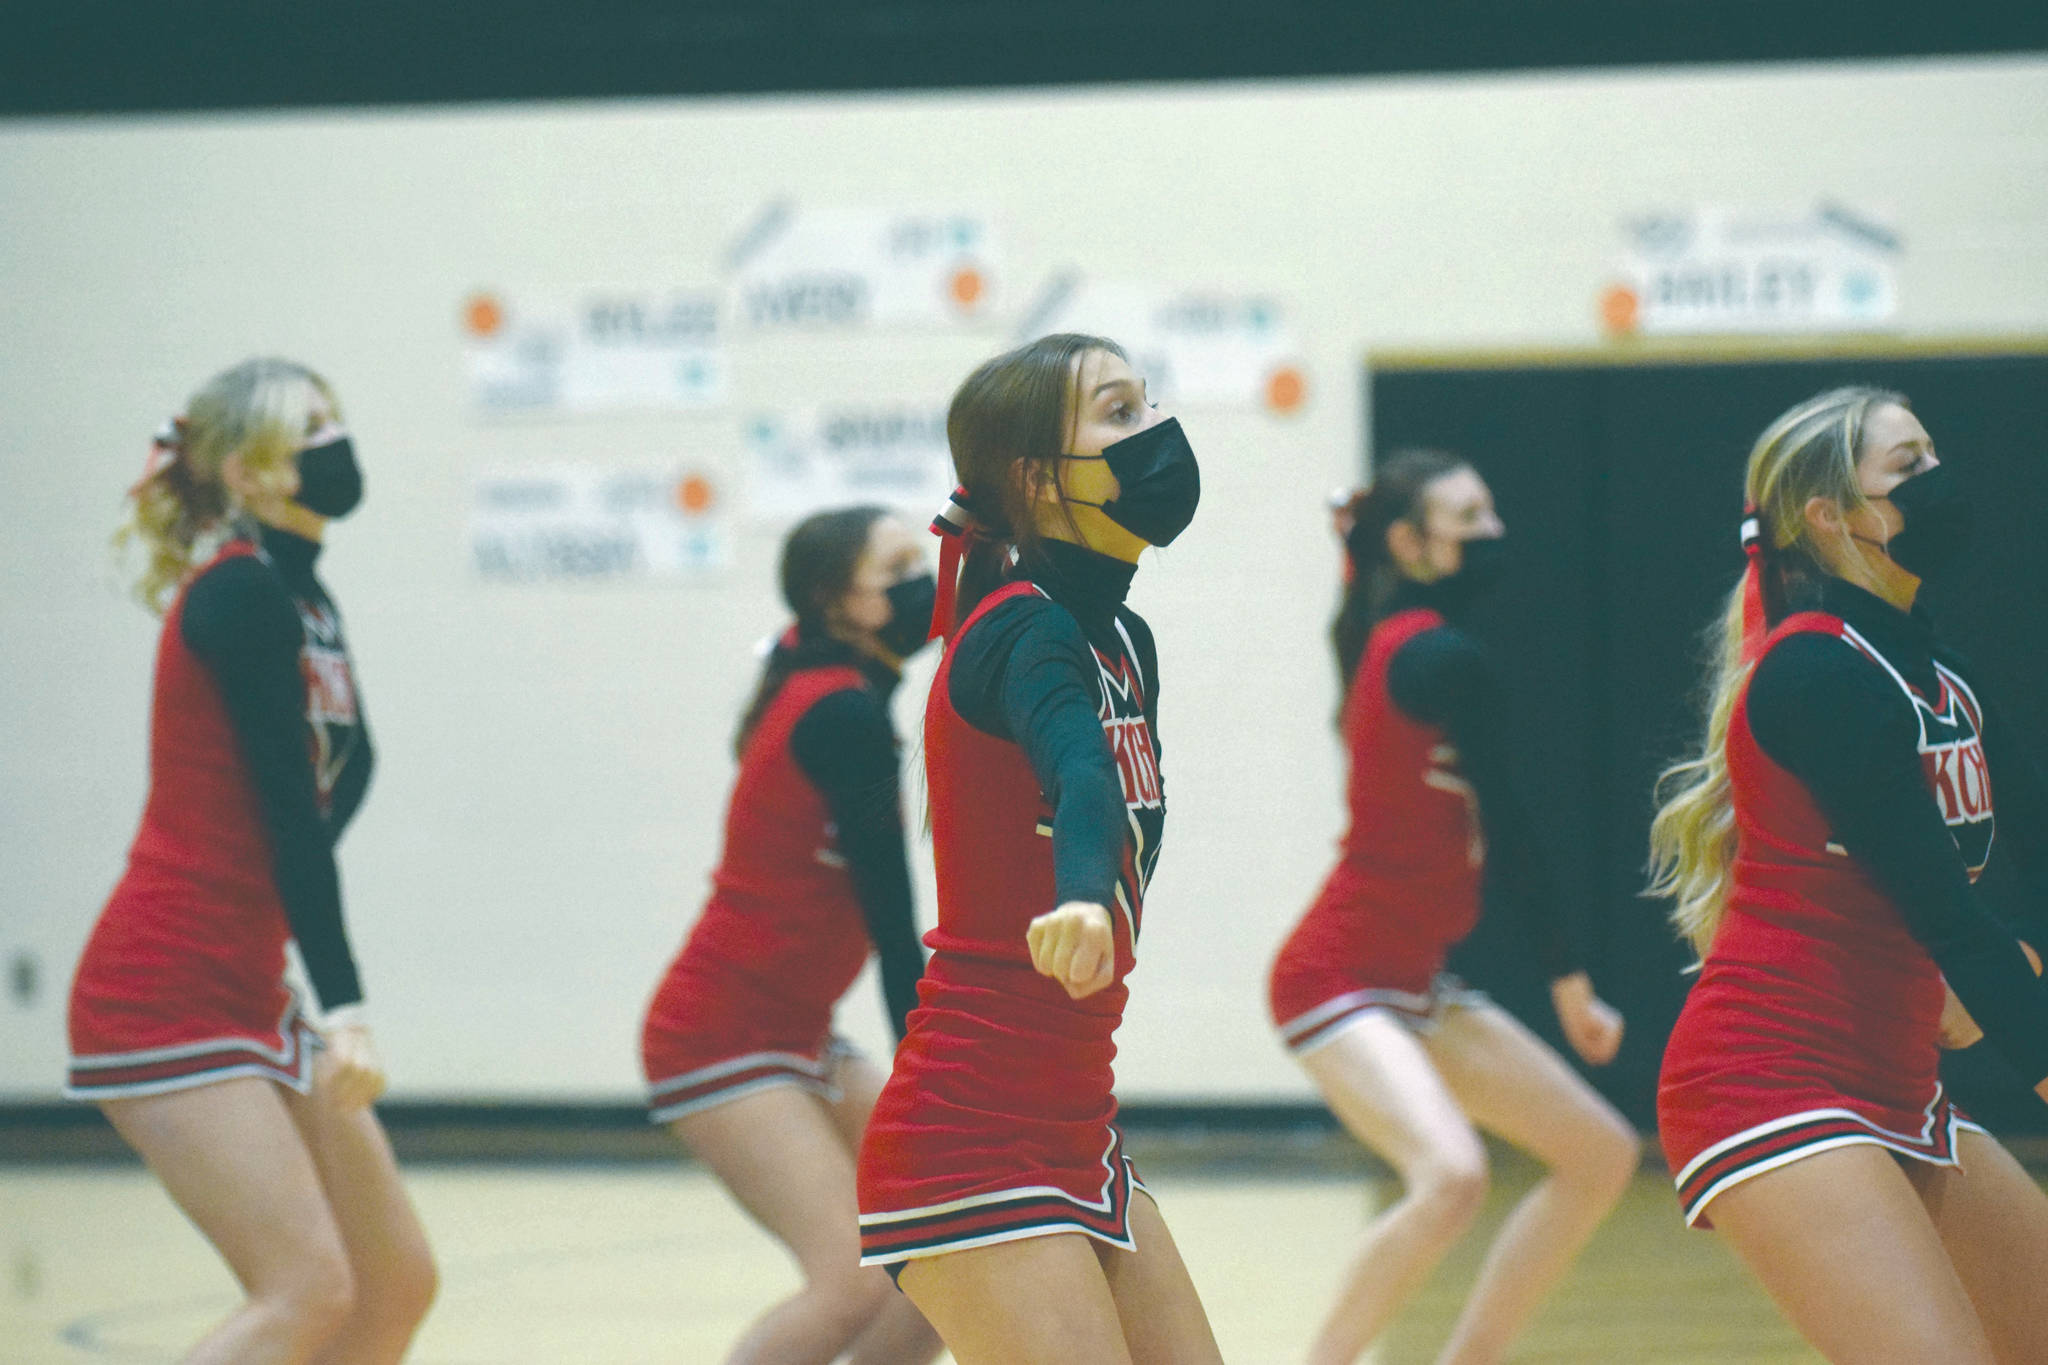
[(553, 761)]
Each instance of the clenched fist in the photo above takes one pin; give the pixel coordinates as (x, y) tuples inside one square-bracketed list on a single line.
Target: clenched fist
[(348, 1068), (1591, 1025), (1075, 945)]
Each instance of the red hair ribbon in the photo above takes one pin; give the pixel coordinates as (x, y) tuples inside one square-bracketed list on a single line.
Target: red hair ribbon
[(1753, 625), (955, 525), (164, 449)]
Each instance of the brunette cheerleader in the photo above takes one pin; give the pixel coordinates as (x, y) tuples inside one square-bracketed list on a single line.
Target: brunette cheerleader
[(1407, 1056), (738, 1048), (993, 1179)]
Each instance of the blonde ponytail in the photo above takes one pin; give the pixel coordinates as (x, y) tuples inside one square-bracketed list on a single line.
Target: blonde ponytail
[(261, 410), (1809, 452), (1692, 838)]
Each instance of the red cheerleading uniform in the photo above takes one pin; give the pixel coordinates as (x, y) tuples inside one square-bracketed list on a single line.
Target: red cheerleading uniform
[(1815, 1018), (181, 982), (1407, 885), (998, 1122), (747, 1002)]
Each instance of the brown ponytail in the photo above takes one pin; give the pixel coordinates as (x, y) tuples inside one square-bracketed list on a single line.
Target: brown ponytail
[(818, 562), (1394, 495), (1008, 426)]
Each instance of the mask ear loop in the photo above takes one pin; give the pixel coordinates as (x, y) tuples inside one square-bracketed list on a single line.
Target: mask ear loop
[(956, 526), (1753, 624)]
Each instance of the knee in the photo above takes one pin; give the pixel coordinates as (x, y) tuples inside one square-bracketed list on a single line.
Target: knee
[(850, 1297), (314, 1300), (407, 1291), (1604, 1165), (1452, 1184)]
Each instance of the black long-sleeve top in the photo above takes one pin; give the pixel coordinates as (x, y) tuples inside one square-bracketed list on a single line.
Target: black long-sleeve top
[(1026, 673), (1832, 718), (268, 632), (1443, 677), (846, 745)]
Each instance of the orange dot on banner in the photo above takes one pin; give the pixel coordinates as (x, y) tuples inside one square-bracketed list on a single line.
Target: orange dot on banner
[(967, 286), (483, 315), (695, 494), (1619, 308), (1285, 389)]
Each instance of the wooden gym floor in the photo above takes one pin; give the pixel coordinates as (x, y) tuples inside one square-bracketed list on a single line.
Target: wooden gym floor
[(621, 1264)]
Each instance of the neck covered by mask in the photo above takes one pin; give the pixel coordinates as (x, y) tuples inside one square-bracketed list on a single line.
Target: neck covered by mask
[(1939, 523), (910, 615), (330, 480), (1159, 481)]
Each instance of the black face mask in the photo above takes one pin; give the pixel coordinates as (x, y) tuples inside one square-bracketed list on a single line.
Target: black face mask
[(330, 481), (1484, 563), (910, 615), (1939, 521), (1160, 481)]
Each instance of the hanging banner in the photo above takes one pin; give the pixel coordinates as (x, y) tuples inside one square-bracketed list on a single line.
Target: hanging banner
[(804, 462), (585, 523), (1193, 347), (856, 268), (1723, 270), (601, 351)]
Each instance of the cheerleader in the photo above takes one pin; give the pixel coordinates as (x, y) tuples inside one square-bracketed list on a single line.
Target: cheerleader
[(1407, 1056), (254, 1114), (993, 1179), (738, 1049), (1820, 850)]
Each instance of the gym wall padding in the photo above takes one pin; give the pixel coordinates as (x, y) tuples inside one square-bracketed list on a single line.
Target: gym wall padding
[(1620, 479)]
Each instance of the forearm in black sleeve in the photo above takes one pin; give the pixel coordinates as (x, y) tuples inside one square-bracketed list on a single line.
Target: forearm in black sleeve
[(1443, 678), (1850, 737), (246, 631), (1148, 667), (845, 746), (2020, 793), (351, 785), (1034, 681)]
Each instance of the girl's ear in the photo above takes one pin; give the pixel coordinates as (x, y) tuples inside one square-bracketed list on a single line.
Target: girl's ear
[(1037, 481), (1404, 543), (1824, 518), (235, 475)]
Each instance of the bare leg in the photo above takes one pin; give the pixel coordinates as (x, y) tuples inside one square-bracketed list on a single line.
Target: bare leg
[(1381, 1084), (782, 1155), (898, 1333), (1161, 1315), (1039, 1301), (392, 1265), (1993, 1219), (1842, 1243), (230, 1156), (1512, 1085)]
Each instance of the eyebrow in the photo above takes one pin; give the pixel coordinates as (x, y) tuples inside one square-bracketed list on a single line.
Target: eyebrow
[(1103, 388)]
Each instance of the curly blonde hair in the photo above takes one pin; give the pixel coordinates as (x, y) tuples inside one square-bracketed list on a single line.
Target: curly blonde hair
[(262, 411)]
